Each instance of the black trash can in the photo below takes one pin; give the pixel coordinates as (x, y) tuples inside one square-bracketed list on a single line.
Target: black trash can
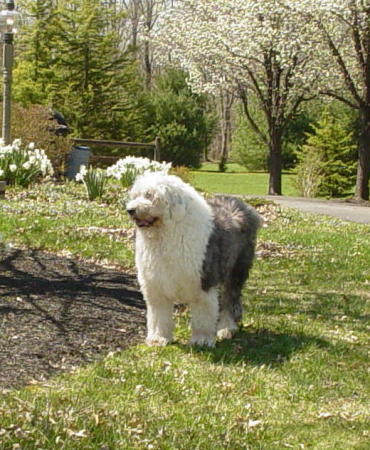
[(79, 156)]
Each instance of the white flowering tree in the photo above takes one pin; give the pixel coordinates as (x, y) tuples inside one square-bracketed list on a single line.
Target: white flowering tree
[(343, 27), (260, 49)]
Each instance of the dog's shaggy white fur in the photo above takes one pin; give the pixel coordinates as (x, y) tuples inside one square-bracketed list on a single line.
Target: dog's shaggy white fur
[(190, 251)]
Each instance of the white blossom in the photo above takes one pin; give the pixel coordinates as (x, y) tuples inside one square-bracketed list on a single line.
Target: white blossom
[(17, 143), (82, 173)]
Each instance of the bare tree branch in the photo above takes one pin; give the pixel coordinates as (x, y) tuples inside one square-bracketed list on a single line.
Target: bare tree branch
[(244, 98), (342, 65), (340, 98)]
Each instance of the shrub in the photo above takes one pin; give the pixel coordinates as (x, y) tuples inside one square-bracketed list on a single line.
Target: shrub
[(180, 119), (309, 173), (182, 172), (22, 165), (33, 124), (127, 169), (329, 155)]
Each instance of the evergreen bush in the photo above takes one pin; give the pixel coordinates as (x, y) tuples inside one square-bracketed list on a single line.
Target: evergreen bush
[(327, 162), (180, 119), (71, 57)]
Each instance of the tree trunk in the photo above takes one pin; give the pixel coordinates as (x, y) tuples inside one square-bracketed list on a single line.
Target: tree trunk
[(147, 66), (275, 163), (226, 105), (363, 168)]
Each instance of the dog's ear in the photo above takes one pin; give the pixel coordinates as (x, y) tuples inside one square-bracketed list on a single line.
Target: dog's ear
[(178, 205)]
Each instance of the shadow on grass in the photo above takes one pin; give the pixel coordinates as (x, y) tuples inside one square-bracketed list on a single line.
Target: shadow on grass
[(32, 274), (258, 346), (57, 313)]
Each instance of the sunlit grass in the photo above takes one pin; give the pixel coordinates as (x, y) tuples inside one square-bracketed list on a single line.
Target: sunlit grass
[(237, 181), (60, 218)]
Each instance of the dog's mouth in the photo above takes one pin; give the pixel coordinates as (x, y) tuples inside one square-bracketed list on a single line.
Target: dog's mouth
[(145, 223)]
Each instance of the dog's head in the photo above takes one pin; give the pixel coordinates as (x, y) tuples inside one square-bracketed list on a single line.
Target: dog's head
[(157, 199)]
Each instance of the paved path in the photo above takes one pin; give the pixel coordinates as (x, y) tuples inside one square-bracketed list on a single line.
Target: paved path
[(345, 211)]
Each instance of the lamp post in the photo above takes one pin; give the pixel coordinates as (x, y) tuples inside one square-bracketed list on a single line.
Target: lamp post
[(8, 18)]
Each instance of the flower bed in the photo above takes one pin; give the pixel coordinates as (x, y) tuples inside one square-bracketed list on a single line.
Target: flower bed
[(125, 171)]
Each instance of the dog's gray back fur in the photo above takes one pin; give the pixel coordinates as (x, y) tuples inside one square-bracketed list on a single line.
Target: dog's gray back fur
[(230, 251)]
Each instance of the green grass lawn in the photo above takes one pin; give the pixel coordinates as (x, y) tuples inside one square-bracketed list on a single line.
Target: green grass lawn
[(237, 181), (295, 376), (59, 218)]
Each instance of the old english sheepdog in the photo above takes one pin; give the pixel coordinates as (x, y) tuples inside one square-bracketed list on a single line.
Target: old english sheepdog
[(192, 251)]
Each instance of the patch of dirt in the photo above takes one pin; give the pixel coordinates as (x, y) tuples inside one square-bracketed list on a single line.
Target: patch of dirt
[(267, 249), (58, 313)]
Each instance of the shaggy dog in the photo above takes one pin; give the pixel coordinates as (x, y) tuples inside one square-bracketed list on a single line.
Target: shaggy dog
[(193, 251)]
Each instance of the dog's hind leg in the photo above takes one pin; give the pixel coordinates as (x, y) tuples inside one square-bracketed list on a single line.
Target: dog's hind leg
[(204, 315), (231, 306), (159, 322), (227, 323)]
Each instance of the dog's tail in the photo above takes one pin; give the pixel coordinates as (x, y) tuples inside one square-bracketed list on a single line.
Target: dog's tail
[(233, 213)]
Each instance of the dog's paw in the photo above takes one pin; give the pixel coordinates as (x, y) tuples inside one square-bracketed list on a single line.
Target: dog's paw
[(226, 333), (157, 341), (203, 341)]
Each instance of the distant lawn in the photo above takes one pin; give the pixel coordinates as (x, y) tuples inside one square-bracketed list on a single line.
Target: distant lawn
[(231, 168), (237, 181)]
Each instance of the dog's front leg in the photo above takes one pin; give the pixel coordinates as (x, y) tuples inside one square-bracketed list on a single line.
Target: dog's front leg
[(159, 322), (204, 315)]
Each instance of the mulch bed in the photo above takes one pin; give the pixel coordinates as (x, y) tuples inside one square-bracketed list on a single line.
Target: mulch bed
[(58, 313)]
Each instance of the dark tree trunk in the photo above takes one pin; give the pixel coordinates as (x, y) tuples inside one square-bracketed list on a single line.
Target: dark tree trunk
[(226, 105), (147, 66), (363, 168), (275, 163)]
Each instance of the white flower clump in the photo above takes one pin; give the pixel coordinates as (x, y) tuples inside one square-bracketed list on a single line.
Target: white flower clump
[(6, 150), (136, 166), (125, 170), (94, 180), (38, 157), (23, 164)]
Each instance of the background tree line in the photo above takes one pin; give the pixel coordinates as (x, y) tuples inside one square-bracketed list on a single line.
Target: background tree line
[(213, 79), (90, 61)]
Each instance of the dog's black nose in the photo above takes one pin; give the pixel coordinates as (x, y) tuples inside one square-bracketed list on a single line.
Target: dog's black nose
[(131, 211)]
